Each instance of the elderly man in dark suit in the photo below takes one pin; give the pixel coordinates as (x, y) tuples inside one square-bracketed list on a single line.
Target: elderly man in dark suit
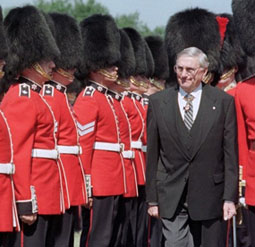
[(192, 168)]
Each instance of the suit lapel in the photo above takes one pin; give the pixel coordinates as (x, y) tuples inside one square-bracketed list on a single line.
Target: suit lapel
[(170, 110), (205, 119)]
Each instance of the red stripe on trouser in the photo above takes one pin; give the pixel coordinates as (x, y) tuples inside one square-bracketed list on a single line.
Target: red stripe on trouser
[(90, 226), (22, 235), (149, 232)]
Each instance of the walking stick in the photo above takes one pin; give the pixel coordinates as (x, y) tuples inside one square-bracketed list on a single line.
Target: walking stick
[(234, 232)]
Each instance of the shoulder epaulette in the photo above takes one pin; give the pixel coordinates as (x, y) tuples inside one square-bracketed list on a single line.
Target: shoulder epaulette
[(48, 90), (24, 90), (89, 91)]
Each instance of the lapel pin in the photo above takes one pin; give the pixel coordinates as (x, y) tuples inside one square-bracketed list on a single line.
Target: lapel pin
[(214, 107)]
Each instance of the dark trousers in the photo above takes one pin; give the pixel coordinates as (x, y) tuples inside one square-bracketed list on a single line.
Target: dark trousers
[(251, 224), (85, 226), (155, 233), (3, 239), (62, 229), (103, 221), (128, 237), (142, 219), (243, 233), (38, 234)]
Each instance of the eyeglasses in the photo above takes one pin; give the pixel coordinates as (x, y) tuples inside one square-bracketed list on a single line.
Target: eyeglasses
[(189, 71)]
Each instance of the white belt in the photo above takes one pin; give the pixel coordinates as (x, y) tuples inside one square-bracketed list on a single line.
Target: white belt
[(45, 153), (108, 146), (69, 149), (7, 168), (144, 149), (128, 154), (136, 144)]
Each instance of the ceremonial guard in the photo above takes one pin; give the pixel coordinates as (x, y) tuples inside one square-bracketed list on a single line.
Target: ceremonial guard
[(128, 207), (192, 26), (156, 83), (244, 96), (37, 178), (68, 38), (98, 126), (132, 105), (8, 213)]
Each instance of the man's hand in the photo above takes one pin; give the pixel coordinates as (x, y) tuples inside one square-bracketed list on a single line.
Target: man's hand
[(90, 203), (153, 211), (229, 210), (28, 219)]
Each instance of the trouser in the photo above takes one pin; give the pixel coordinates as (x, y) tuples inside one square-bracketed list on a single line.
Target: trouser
[(251, 224), (85, 226), (62, 229), (37, 234), (142, 219), (128, 238), (3, 239), (155, 232), (243, 233), (103, 221)]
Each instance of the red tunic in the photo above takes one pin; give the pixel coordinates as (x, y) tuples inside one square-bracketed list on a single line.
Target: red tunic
[(245, 105), (125, 138), (67, 136), (136, 120), (8, 212), (33, 127), (97, 124)]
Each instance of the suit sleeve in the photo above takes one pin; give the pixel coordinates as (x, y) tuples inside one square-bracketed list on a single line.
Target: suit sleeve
[(242, 136), (152, 156), (230, 154), (21, 116)]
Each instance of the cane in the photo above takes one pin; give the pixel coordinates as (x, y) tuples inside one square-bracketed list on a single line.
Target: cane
[(234, 232)]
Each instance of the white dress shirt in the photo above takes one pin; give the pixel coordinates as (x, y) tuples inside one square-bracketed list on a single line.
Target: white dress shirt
[(196, 101)]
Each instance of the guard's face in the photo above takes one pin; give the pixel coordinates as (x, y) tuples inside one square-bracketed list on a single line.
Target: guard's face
[(47, 66), (189, 73)]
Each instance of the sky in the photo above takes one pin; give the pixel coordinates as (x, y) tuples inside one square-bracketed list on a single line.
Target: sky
[(152, 12)]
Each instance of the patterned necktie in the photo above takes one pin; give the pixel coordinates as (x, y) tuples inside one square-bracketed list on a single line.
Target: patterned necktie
[(188, 108)]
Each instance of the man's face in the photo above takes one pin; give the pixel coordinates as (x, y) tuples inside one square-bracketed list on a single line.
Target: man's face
[(47, 66), (189, 73)]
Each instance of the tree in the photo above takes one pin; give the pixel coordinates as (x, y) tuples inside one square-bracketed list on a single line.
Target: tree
[(81, 9)]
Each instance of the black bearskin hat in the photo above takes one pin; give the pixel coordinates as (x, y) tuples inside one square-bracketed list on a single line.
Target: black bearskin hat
[(29, 38), (149, 61), (158, 50), (3, 43), (232, 54), (101, 43), (193, 27), (68, 39), (138, 44), (126, 64), (244, 18)]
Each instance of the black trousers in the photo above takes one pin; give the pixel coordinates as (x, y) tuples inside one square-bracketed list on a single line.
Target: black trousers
[(142, 219), (61, 231), (38, 234), (103, 223), (128, 236), (155, 236), (251, 224), (85, 226)]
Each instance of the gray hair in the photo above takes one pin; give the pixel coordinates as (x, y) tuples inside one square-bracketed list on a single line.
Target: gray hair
[(195, 52)]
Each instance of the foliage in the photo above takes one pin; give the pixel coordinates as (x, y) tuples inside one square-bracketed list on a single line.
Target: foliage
[(81, 9)]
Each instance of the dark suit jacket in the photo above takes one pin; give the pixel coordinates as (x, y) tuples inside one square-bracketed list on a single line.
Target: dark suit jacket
[(205, 156)]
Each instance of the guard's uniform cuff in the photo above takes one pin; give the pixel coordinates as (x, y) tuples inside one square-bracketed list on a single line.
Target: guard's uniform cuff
[(88, 185), (26, 207)]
